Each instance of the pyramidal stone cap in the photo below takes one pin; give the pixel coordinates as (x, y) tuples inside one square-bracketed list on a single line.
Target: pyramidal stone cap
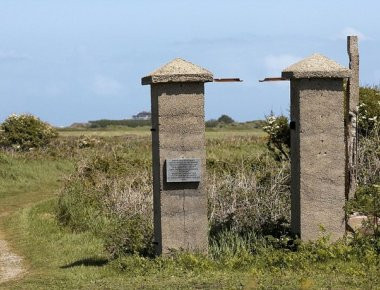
[(178, 70), (315, 66)]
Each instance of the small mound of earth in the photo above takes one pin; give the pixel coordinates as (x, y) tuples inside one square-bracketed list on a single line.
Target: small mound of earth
[(10, 263)]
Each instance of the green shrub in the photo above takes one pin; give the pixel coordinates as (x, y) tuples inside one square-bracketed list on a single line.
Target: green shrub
[(369, 110), (110, 195), (231, 250), (24, 132), (129, 234), (367, 195), (250, 194), (368, 157), (112, 189), (278, 130), (367, 201)]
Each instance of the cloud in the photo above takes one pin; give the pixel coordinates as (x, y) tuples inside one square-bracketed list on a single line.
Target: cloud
[(347, 31), (106, 86), (11, 55), (275, 64)]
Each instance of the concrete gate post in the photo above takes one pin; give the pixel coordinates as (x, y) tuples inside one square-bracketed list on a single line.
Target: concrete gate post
[(178, 150), (352, 105), (318, 158)]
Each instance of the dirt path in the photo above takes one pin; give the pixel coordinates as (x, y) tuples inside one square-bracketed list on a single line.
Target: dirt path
[(10, 264)]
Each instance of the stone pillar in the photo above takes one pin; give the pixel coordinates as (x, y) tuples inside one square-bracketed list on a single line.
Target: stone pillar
[(179, 161), (352, 104), (318, 157)]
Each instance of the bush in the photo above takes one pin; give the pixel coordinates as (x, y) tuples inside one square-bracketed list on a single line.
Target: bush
[(278, 130), (367, 201), (368, 167), (369, 110), (252, 194), (24, 132), (110, 195), (367, 195)]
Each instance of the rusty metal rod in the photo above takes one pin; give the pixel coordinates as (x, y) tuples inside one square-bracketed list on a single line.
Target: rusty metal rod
[(275, 79), (227, 80)]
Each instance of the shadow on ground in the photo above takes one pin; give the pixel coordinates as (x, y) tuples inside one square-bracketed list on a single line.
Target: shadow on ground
[(90, 262)]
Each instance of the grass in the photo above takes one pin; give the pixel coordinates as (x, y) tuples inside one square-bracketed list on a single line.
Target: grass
[(57, 258), (111, 132), (25, 181), (145, 131)]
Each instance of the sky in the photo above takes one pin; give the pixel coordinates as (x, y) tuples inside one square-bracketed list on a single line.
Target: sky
[(72, 61)]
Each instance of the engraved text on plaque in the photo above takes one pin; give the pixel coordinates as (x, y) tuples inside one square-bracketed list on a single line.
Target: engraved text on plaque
[(183, 170)]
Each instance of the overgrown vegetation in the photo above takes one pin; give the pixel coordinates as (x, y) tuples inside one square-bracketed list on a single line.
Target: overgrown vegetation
[(102, 218), (26, 132), (238, 257), (110, 192), (110, 195), (278, 130), (367, 195), (369, 110), (248, 191)]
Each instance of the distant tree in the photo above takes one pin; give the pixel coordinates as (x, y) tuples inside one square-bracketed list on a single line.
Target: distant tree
[(127, 122), (212, 123), (225, 119)]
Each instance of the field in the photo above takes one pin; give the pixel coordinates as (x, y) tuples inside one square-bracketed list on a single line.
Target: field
[(145, 131), (58, 256)]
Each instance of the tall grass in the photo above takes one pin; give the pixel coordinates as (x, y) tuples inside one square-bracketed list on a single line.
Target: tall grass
[(106, 203), (369, 157), (110, 192)]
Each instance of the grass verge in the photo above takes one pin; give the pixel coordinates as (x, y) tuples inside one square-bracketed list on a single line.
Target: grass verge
[(58, 259)]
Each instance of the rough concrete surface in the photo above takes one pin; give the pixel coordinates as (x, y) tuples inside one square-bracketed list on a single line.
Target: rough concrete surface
[(318, 157), (353, 82), (352, 101), (316, 66), (178, 131), (178, 70)]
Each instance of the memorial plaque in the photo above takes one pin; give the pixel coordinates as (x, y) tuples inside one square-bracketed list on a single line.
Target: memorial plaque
[(183, 170)]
